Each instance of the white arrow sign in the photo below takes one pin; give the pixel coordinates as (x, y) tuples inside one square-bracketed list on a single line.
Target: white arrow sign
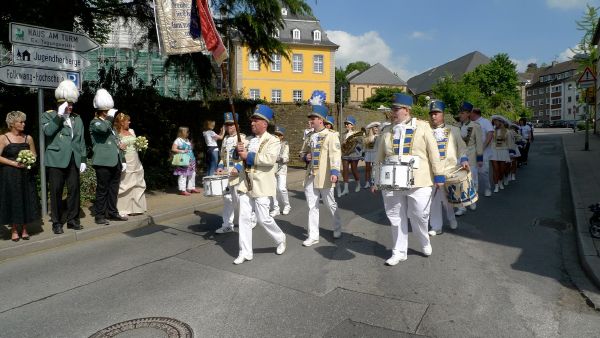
[(48, 58), (50, 38), (36, 77)]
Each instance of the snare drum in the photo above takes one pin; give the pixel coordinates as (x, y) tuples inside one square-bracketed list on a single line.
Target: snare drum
[(460, 189), (216, 185), (393, 176)]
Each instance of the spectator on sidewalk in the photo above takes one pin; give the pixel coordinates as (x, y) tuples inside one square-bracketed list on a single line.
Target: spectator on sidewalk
[(212, 149), (187, 174), (527, 137), (19, 204), (131, 199)]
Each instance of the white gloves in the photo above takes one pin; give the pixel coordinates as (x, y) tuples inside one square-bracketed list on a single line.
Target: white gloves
[(62, 108), (82, 167), (123, 166), (112, 112)]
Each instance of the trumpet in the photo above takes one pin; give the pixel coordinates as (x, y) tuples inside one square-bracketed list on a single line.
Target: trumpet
[(351, 142)]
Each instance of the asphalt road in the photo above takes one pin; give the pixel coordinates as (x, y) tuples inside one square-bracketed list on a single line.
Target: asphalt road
[(503, 273)]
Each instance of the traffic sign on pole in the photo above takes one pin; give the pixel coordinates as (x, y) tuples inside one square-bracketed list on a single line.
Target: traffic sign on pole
[(587, 76), (48, 58), (50, 38), (36, 77)]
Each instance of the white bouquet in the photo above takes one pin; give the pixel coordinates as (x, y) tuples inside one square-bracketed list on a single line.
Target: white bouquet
[(26, 157), (140, 143)]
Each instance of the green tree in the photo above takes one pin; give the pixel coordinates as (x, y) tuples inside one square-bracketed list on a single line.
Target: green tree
[(361, 66), (586, 54), (341, 81), (382, 96)]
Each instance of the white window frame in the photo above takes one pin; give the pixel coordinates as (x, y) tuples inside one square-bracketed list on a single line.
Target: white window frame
[(253, 62), (254, 94), (533, 103), (555, 112), (316, 35), (276, 34), (297, 63), (556, 100), (276, 95), (318, 64), (297, 95), (557, 89), (296, 34), (540, 102), (276, 64)]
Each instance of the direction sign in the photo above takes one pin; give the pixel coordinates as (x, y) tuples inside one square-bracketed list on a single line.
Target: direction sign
[(36, 77), (48, 58), (50, 38), (587, 76)]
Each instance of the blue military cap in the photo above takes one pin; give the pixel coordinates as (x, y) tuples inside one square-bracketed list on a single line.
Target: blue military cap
[(318, 111), (330, 120), (279, 130), (263, 112), (351, 120), (466, 106), (402, 100), (228, 118), (437, 106)]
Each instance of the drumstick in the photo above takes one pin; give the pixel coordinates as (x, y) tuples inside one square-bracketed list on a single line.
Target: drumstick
[(455, 171)]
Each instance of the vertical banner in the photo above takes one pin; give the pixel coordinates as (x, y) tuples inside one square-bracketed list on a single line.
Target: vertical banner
[(211, 36), (173, 27)]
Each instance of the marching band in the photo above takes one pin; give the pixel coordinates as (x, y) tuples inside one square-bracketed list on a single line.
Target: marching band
[(424, 170)]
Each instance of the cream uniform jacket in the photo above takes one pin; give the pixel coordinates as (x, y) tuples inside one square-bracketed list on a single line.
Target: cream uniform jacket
[(283, 158), (472, 135), (421, 145), (229, 156), (451, 147), (262, 158), (326, 157)]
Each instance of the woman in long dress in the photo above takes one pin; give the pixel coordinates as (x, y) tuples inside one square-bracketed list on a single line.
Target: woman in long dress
[(131, 199), (19, 203)]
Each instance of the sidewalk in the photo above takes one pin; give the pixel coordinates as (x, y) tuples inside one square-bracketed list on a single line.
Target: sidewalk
[(161, 206), (584, 177)]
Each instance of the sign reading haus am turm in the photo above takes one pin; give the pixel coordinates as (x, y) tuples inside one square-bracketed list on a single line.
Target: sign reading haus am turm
[(50, 38)]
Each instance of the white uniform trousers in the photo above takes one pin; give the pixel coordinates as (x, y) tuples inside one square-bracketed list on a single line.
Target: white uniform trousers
[(282, 192), (186, 181), (230, 202), (484, 176), (439, 205), (475, 175), (401, 205), (312, 198), (261, 207)]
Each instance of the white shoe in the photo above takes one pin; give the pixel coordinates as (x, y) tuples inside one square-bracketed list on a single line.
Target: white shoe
[(513, 177), (496, 188), (505, 180), (241, 259), (395, 259), (339, 190), (224, 229), (367, 185), (460, 211), (427, 250), (345, 191), (253, 220), (280, 248), (434, 232), (310, 242), (286, 210), (453, 224), (337, 234), (357, 188), (473, 206), (275, 212), (487, 193)]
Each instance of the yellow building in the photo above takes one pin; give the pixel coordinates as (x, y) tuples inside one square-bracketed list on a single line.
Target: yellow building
[(311, 65)]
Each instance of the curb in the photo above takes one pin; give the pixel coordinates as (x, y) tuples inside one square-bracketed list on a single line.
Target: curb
[(588, 255)]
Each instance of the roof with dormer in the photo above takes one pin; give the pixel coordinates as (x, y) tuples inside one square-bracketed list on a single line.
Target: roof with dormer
[(307, 25)]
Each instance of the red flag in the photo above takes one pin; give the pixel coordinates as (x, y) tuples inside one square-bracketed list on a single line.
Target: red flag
[(211, 37)]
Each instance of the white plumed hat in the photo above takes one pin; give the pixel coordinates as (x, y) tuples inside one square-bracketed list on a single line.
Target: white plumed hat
[(66, 91), (103, 100)]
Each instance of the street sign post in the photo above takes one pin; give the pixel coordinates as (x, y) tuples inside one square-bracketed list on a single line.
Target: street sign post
[(34, 56), (50, 38), (36, 77)]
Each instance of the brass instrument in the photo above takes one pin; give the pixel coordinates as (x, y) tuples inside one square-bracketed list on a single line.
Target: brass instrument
[(351, 142)]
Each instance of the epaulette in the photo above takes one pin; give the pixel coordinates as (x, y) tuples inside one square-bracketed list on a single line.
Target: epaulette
[(50, 111)]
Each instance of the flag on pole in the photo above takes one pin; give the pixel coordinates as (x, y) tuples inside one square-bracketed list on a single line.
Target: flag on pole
[(211, 37)]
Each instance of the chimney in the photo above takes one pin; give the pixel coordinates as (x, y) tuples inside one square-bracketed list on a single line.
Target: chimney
[(554, 63)]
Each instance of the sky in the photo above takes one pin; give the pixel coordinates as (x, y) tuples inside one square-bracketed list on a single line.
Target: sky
[(410, 37)]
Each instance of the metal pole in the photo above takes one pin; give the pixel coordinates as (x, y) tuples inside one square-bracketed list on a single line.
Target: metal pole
[(595, 98), (341, 118), (586, 147), (41, 152)]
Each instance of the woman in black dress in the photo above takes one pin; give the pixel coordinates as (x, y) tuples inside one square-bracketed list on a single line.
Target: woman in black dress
[(19, 203)]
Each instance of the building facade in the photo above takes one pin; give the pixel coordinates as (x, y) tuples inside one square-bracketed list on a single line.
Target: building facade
[(553, 95), (311, 65), (364, 84)]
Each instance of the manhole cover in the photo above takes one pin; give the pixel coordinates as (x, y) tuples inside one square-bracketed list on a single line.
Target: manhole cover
[(158, 327), (551, 223)]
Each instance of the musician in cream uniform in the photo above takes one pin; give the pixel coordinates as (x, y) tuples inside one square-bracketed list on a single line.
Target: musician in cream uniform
[(281, 174), (407, 140), (261, 156), (323, 155), (351, 153), (452, 150), (228, 161), (472, 135)]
